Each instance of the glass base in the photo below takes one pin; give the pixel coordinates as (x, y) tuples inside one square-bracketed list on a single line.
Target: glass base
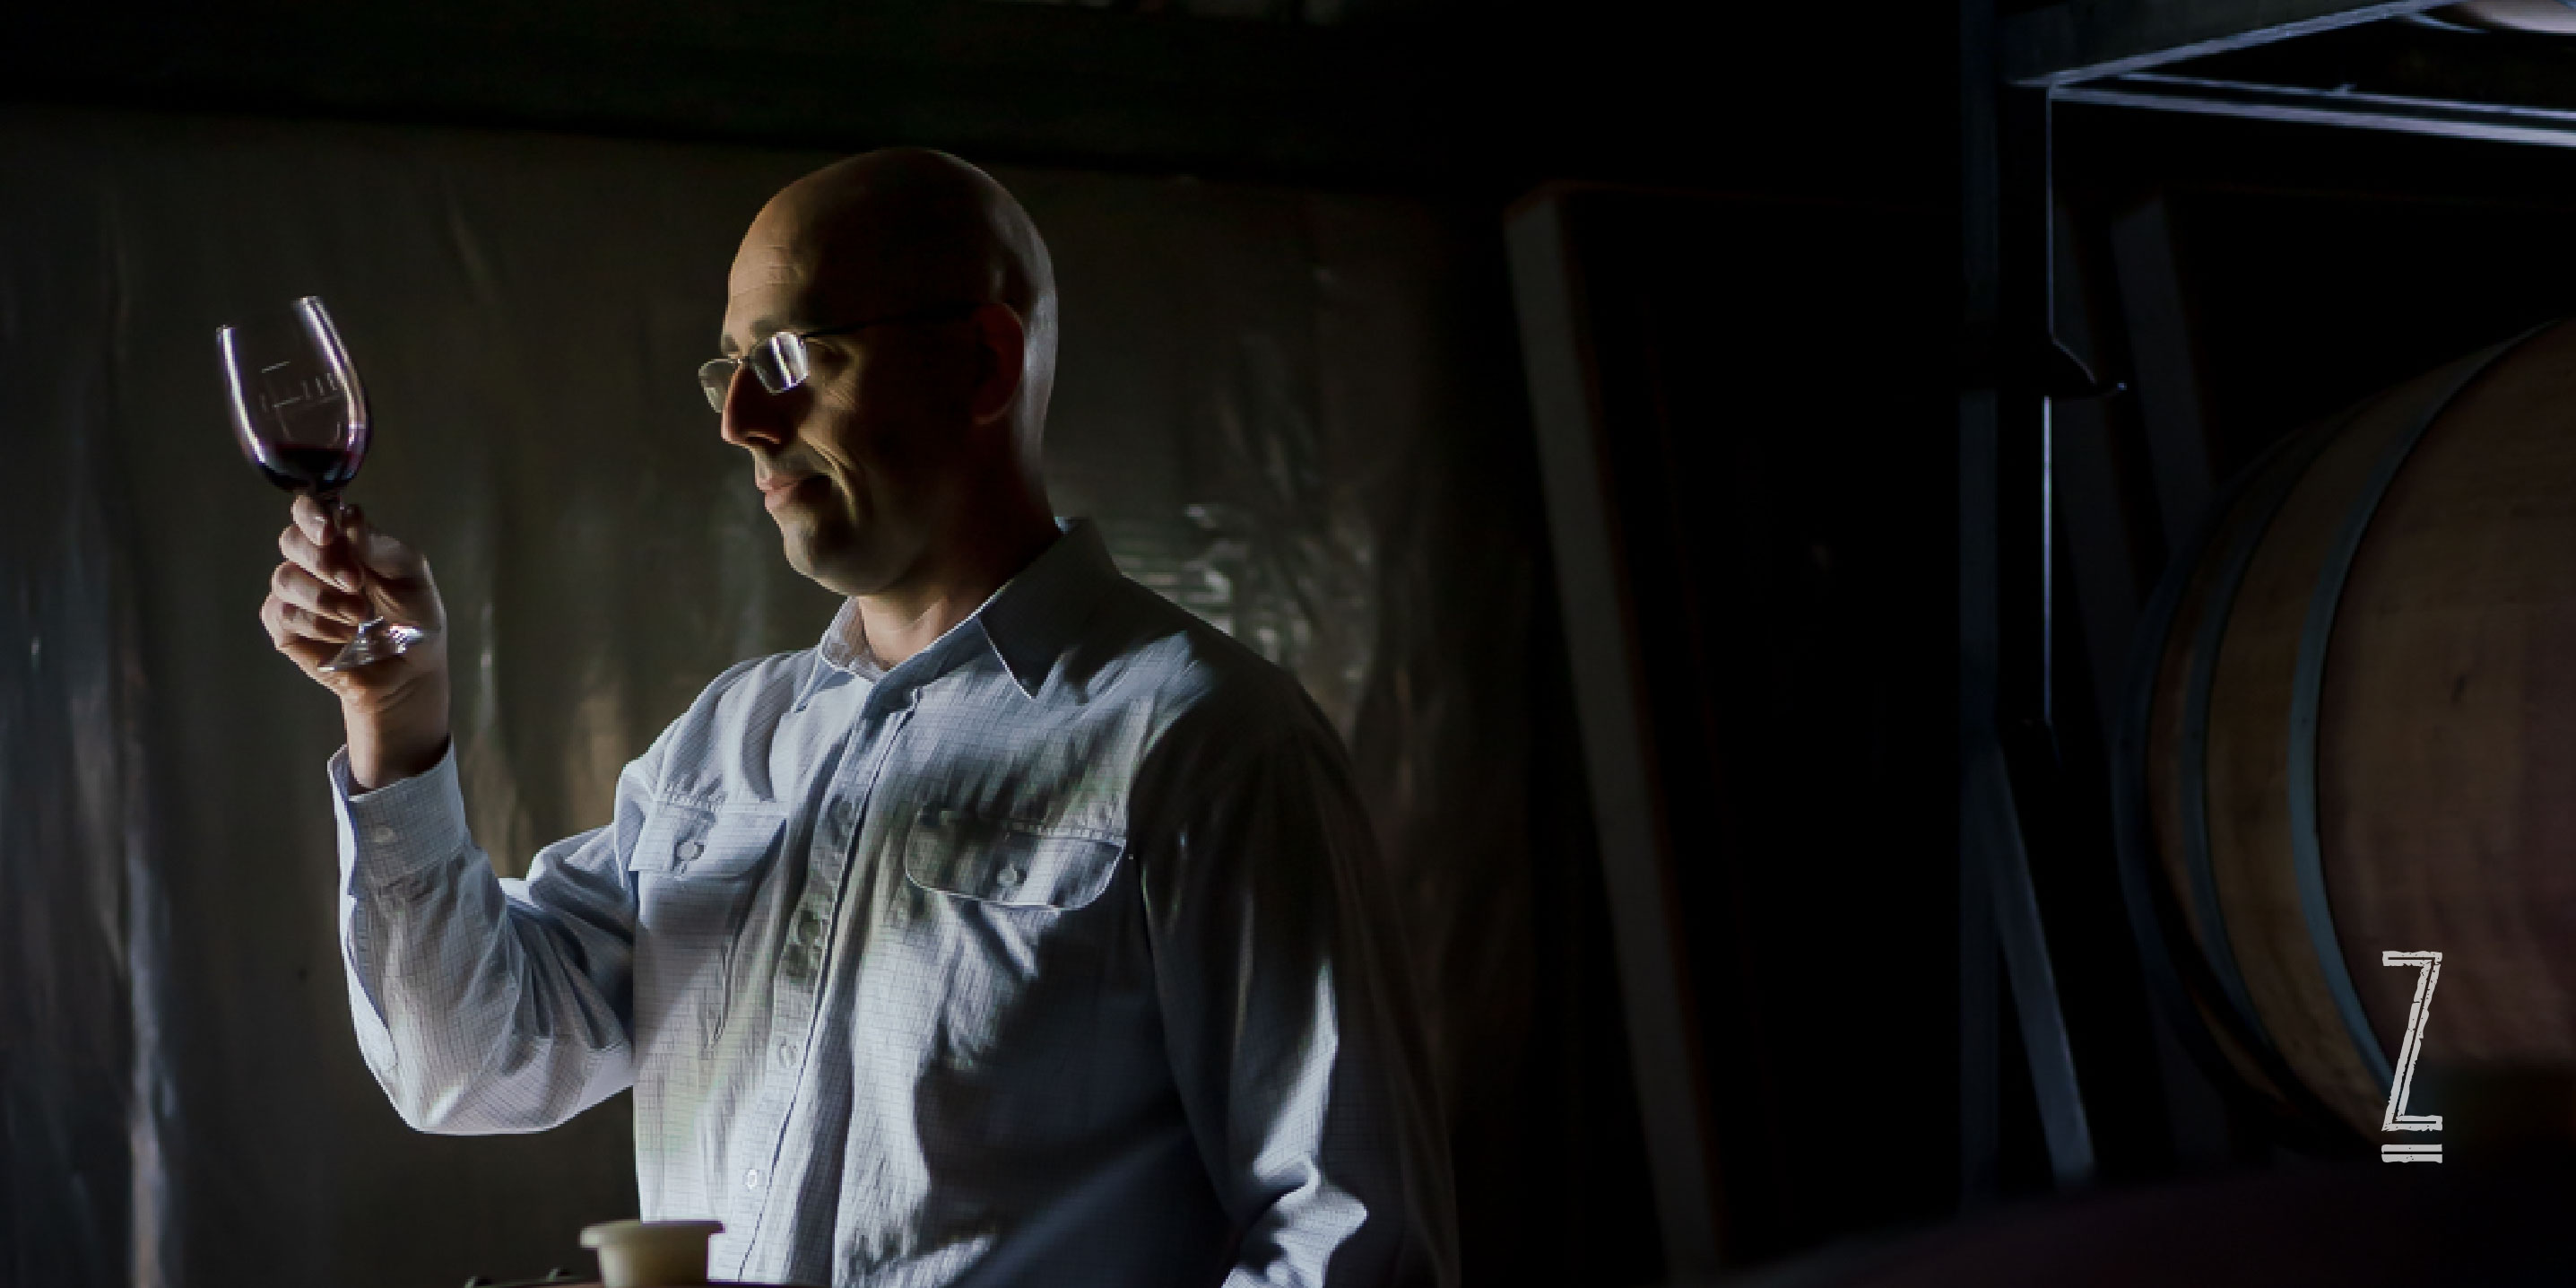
[(376, 641)]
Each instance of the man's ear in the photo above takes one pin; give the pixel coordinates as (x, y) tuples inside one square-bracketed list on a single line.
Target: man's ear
[(1002, 345)]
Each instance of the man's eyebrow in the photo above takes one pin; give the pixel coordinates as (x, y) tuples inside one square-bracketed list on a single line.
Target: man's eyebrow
[(763, 327)]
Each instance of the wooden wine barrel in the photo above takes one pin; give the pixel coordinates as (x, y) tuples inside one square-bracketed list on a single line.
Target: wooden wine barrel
[(2353, 731)]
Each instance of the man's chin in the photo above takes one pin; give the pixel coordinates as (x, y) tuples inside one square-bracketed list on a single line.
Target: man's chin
[(797, 536), (828, 559)]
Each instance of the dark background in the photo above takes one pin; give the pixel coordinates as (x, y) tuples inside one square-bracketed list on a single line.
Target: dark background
[(1764, 202)]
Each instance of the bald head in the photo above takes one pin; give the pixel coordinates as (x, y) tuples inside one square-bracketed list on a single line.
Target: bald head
[(894, 233), (902, 467)]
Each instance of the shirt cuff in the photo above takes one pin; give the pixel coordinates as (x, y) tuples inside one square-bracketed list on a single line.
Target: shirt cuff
[(402, 829)]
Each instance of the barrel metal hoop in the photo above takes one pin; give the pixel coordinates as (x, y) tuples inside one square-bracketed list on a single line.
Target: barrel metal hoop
[(2193, 778), (2307, 692), (2176, 979)]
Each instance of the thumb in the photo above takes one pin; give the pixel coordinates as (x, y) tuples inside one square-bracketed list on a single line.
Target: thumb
[(385, 557), (397, 576)]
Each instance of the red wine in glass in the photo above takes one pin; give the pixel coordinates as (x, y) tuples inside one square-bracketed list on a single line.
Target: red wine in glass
[(300, 416), (318, 471)]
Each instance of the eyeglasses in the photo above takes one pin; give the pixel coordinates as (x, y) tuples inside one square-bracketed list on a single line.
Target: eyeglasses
[(781, 363)]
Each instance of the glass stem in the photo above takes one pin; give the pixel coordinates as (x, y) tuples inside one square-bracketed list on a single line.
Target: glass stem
[(336, 512)]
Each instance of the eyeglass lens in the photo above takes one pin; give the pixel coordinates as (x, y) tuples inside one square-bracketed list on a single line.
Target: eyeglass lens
[(779, 363)]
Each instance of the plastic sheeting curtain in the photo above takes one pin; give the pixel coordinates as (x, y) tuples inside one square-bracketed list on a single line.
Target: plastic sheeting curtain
[(1270, 400)]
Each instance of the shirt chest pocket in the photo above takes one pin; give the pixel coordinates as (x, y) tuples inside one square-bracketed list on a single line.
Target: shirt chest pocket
[(1006, 863), (695, 841), (1009, 917), (696, 867)]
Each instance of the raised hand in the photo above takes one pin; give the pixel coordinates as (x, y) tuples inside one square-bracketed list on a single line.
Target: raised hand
[(396, 709)]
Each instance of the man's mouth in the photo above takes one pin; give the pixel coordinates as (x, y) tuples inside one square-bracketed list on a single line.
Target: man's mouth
[(778, 488)]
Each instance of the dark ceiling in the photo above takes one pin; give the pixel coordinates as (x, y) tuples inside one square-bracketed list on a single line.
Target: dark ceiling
[(1427, 96)]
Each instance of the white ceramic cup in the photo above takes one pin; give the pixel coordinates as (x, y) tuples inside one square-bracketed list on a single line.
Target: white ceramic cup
[(651, 1254)]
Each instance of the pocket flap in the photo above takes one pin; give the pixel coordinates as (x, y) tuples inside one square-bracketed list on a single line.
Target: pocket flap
[(1003, 861), (714, 840)]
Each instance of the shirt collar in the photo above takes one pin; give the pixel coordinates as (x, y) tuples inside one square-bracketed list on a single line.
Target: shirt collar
[(1027, 623)]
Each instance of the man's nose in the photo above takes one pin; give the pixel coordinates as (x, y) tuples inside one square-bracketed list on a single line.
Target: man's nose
[(752, 415)]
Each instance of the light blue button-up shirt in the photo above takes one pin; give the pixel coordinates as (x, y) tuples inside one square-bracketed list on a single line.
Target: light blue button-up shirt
[(1049, 956)]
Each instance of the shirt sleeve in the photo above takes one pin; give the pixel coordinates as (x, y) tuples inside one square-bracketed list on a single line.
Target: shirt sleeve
[(1291, 1026), (485, 1005)]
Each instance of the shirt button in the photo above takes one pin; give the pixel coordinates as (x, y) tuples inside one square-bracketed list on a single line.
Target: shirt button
[(751, 1179), (381, 834), (1008, 877), (786, 1054), (689, 850)]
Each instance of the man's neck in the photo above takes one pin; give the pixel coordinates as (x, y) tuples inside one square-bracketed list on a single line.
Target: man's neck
[(902, 620)]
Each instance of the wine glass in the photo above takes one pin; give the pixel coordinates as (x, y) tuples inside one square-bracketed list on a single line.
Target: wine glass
[(300, 415)]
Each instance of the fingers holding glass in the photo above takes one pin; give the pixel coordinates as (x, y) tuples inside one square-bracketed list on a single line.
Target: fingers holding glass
[(299, 414), (326, 556), (307, 638), (298, 588)]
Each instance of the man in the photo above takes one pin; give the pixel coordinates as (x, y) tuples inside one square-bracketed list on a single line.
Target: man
[(1018, 933)]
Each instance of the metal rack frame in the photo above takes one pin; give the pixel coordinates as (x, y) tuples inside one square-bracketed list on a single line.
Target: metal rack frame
[(2270, 60)]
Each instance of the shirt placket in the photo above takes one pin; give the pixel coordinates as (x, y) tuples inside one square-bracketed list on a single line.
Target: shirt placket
[(797, 992)]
